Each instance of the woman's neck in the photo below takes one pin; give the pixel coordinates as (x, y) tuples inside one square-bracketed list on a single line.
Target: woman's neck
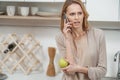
[(79, 32)]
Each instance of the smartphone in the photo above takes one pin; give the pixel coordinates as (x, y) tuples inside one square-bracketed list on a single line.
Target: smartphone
[(67, 20)]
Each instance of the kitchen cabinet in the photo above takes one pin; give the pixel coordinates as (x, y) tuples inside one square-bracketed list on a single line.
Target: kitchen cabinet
[(103, 10), (13, 0)]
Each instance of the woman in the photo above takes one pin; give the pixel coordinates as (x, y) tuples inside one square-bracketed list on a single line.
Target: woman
[(81, 45)]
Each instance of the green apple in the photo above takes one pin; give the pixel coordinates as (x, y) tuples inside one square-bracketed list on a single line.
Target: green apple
[(63, 63)]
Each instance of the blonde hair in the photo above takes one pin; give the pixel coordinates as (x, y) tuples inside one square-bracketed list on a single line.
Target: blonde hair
[(65, 6)]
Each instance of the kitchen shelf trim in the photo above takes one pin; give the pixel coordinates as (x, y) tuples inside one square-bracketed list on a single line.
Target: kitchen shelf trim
[(29, 21)]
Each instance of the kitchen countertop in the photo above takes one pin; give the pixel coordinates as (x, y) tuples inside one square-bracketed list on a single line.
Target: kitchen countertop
[(109, 78), (40, 76)]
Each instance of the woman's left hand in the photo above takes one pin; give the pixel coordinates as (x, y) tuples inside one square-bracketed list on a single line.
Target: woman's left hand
[(71, 68)]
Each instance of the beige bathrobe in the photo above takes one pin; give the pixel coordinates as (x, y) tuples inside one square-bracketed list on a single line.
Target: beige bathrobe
[(91, 53)]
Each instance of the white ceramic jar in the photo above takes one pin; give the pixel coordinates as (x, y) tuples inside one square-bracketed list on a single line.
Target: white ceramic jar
[(10, 10), (23, 11), (34, 10)]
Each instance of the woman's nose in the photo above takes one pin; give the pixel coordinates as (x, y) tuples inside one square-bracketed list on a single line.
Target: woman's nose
[(76, 16)]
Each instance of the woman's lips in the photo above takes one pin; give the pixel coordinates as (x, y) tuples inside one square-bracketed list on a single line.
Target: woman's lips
[(76, 23)]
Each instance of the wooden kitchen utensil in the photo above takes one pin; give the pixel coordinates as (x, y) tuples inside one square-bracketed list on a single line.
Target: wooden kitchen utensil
[(51, 67)]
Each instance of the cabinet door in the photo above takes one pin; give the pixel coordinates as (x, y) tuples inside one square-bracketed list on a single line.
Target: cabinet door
[(39, 0), (13, 0), (103, 10)]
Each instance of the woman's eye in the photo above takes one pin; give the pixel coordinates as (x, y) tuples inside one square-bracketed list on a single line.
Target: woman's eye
[(72, 14), (80, 13)]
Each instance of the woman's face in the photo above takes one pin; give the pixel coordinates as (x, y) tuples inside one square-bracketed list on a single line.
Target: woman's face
[(75, 15)]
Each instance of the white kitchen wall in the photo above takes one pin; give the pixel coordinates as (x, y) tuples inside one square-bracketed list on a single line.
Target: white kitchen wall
[(113, 45), (46, 36)]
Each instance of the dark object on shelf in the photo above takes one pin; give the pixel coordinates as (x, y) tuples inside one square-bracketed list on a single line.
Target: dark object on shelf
[(10, 47), (3, 76)]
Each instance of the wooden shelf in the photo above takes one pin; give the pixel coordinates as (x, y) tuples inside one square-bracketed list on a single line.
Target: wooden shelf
[(29, 21)]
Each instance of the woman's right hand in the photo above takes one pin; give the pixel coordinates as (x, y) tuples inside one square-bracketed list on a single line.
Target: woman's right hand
[(67, 30)]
